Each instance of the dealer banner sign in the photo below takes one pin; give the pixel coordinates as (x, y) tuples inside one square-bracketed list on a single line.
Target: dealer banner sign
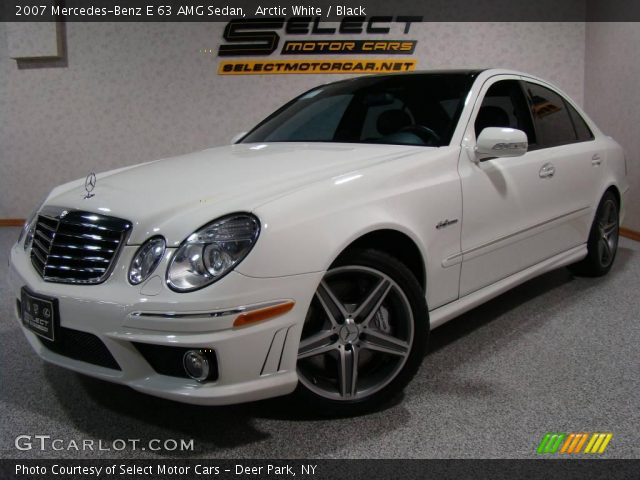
[(328, 46)]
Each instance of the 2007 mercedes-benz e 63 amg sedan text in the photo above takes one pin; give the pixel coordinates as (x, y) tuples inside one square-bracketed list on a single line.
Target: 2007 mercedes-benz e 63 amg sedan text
[(315, 254)]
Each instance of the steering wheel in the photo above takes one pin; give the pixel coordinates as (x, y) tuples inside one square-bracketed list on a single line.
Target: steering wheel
[(425, 134)]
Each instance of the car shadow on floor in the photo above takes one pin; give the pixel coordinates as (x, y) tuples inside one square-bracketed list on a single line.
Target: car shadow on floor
[(555, 287), (479, 336), (496, 308), (113, 411)]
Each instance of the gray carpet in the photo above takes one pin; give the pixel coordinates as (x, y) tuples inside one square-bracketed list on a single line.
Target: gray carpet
[(557, 354)]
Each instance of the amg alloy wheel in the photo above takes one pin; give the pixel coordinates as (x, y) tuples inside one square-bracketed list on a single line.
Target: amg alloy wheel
[(603, 239), (364, 334)]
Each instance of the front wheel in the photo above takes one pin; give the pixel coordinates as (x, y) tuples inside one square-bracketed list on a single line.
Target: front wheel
[(364, 335), (603, 239)]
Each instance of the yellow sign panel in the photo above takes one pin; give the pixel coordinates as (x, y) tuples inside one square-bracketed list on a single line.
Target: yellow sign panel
[(351, 65)]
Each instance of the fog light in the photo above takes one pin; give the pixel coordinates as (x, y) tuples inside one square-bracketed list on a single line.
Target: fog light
[(196, 364)]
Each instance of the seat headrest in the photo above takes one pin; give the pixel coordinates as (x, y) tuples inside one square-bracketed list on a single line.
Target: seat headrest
[(392, 120), (491, 116)]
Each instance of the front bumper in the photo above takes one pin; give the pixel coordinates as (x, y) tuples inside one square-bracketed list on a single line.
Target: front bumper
[(254, 362)]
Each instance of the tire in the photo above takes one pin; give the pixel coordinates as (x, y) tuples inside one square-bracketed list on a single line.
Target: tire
[(603, 240), (364, 336)]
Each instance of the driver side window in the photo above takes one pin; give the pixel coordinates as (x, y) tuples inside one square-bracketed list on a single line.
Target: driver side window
[(505, 105)]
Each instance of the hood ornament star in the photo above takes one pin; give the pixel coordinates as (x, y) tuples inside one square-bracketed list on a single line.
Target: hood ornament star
[(89, 185)]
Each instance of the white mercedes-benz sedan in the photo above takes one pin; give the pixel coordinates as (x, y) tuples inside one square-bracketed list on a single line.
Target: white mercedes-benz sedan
[(315, 254)]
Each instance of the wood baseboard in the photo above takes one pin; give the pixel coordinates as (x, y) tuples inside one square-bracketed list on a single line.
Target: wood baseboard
[(632, 234), (11, 222)]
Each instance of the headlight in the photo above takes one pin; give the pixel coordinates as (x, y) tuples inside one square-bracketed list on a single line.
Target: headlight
[(212, 252), (146, 260)]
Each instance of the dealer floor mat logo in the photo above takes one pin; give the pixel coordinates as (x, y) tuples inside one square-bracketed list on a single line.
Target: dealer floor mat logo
[(574, 443), (315, 36)]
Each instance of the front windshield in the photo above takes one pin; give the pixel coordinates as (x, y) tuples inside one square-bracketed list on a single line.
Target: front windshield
[(416, 109)]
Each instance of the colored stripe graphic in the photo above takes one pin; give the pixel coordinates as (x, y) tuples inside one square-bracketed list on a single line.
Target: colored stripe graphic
[(592, 440), (571, 439), (543, 443), (572, 443), (580, 444), (551, 442), (556, 445), (598, 443), (604, 445)]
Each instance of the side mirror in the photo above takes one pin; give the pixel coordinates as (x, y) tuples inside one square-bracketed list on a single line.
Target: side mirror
[(500, 142), (237, 137)]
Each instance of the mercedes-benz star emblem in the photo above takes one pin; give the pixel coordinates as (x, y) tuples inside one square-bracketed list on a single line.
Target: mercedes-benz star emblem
[(89, 185), (349, 332)]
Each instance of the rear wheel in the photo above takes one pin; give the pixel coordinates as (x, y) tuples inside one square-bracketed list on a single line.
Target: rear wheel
[(364, 336), (603, 239)]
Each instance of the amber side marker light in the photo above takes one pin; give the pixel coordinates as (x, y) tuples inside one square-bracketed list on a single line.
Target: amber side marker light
[(263, 314)]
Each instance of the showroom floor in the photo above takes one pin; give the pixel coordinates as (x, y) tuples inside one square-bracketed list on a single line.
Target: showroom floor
[(558, 354)]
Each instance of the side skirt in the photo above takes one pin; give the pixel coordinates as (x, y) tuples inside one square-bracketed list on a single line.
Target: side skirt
[(451, 310)]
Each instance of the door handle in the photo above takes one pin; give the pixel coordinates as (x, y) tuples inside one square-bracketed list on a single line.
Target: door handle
[(547, 171), (596, 160)]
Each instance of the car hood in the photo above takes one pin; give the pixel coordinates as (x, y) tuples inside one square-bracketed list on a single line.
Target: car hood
[(174, 196)]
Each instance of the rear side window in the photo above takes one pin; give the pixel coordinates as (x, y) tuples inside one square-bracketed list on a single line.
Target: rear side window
[(582, 129), (553, 122)]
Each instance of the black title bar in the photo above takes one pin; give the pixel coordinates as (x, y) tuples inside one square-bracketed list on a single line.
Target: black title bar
[(225, 10)]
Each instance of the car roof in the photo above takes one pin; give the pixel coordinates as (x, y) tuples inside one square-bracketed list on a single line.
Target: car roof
[(473, 72), (460, 71)]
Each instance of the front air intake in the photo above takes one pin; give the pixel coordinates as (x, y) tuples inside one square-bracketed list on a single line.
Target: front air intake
[(76, 246)]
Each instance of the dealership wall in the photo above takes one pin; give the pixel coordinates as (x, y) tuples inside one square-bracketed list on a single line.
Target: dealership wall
[(612, 95), (136, 92)]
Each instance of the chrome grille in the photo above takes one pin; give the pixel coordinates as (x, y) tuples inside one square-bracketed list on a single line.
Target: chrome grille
[(76, 246)]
